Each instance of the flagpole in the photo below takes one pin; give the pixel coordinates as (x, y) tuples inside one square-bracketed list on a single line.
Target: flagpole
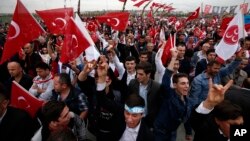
[(124, 5), (64, 3), (79, 7), (145, 8)]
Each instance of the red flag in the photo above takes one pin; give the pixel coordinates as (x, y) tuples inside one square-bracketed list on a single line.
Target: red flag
[(74, 42), (166, 52), (229, 43), (122, 0), (140, 3), (197, 32), (244, 8), (117, 20), (23, 29), (194, 15), (56, 19), (225, 22), (22, 99), (207, 9), (91, 52)]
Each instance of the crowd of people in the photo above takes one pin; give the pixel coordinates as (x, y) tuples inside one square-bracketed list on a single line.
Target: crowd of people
[(128, 94)]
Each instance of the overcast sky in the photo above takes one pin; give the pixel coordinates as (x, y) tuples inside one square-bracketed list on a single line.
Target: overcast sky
[(8, 6)]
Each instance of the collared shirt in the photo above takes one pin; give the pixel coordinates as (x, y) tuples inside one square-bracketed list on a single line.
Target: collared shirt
[(143, 91), (130, 134), (130, 77), (1, 118)]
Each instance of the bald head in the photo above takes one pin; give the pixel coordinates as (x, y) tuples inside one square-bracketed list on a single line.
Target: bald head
[(14, 69)]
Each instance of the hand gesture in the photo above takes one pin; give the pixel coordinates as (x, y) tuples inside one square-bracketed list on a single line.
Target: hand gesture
[(89, 66), (216, 93), (174, 52)]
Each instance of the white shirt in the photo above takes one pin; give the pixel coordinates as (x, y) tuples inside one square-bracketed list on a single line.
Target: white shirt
[(130, 134), (130, 77)]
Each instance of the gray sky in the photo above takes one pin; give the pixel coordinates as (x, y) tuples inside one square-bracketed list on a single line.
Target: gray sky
[(8, 6)]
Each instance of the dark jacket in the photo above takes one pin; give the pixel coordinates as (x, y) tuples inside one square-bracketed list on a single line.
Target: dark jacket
[(16, 125), (200, 66), (173, 110), (144, 133), (154, 98)]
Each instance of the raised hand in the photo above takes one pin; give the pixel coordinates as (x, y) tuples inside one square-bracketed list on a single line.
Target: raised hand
[(216, 94)]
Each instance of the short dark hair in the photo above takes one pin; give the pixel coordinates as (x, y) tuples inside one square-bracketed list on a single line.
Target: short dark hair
[(177, 76), (52, 110), (42, 65), (145, 66), (64, 134), (211, 63), (247, 38), (180, 44), (134, 100), (226, 110), (130, 58), (64, 78), (209, 51), (144, 53)]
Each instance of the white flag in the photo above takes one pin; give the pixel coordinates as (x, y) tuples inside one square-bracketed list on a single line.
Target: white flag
[(230, 41), (91, 52)]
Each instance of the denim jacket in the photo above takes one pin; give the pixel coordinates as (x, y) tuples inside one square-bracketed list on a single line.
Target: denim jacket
[(199, 86)]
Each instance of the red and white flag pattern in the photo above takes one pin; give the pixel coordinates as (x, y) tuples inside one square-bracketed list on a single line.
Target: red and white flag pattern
[(56, 19), (140, 3), (23, 29), (91, 52), (230, 41), (22, 99), (166, 52), (117, 20), (74, 42), (194, 15)]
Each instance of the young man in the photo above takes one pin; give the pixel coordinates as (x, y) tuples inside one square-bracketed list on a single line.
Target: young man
[(176, 106), (57, 116), (134, 128), (43, 83), (199, 87), (150, 90)]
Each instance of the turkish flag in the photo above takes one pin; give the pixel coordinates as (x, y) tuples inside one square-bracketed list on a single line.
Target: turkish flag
[(23, 29), (74, 42), (230, 40), (225, 22), (166, 52), (194, 15), (91, 52), (140, 3), (56, 19), (117, 20), (22, 99)]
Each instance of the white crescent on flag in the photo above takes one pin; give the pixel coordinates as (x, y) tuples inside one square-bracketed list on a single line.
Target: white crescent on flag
[(62, 20), (117, 21), (74, 38), (17, 29), (21, 99)]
